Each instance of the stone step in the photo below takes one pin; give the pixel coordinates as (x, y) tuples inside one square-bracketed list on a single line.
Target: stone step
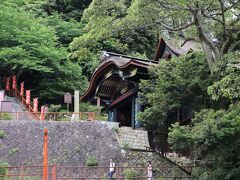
[(133, 138), (17, 106)]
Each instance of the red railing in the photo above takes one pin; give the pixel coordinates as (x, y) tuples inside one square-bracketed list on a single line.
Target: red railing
[(57, 172), (22, 99), (56, 116), (16, 172), (53, 116)]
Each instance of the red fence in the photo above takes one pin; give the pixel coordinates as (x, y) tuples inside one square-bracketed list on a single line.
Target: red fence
[(22, 99), (55, 116), (87, 172), (20, 172), (52, 116)]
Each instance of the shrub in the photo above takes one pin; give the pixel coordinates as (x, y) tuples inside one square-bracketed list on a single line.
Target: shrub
[(3, 169), (5, 116), (54, 108), (91, 161), (126, 145), (78, 148), (2, 134), (66, 153), (115, 129), (104, 178), (129, 174), (101, 117), (13, 151)]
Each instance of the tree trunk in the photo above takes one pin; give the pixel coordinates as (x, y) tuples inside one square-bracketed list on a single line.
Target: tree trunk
[(211, 51), (209, 55)]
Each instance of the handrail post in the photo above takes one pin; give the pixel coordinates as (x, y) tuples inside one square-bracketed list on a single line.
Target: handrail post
[(54, 172), (81, 115), (45, 155), (21, 173)]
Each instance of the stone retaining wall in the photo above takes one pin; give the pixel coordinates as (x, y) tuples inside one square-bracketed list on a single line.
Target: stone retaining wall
[(70, 143)]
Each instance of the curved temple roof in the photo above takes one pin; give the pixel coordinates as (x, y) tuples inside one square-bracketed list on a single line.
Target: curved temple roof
[(112, 63)]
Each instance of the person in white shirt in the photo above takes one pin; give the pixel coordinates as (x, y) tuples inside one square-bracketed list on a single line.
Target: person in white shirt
[(149, 171), (111, 169)]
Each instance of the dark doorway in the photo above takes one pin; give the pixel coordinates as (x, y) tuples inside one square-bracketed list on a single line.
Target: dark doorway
[(124, 114)]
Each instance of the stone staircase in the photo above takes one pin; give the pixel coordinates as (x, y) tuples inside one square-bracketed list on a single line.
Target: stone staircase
[(178, 159), (162, 167), (20, 112), (133, 138), (17, 106), (137, 151)]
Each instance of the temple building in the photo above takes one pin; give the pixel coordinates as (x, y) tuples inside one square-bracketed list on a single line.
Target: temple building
[(114, 83)]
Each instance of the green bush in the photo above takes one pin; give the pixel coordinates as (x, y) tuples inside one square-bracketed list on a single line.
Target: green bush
[(5, 116), (13, 151), (129, 174), (101, 117), (104, 178), (2, 134), (126, 145), (54, 108), (3, 169), (78, 148), (91, 161), (116, 129)]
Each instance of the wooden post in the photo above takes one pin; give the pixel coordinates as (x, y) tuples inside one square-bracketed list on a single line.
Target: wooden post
[(54, 172), (21, 173), (81, 115), (99, 105), (45, 155)]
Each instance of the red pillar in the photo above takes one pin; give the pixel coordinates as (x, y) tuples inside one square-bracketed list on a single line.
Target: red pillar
[(22, 89), (28, 97), (45, 155), (8, 84), (54, 172), (14, 82), (35, 105)]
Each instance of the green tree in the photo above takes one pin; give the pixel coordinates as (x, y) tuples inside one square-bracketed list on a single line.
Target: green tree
[(210, 139), (106, 28), (177, 84), (227, 85), (212, 130), (69, 9), (66, 31), (31, 50), (215, 24), (26, 44)]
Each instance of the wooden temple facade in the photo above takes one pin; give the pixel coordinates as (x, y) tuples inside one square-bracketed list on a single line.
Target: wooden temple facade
[(114, 83)]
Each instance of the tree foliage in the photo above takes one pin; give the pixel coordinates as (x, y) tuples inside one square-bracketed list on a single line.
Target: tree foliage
[(214, 23), (214, 134), (210, 138), (213, 102), (106, 27), (228, 75), (69, 9), (177, 84), (31, 50)]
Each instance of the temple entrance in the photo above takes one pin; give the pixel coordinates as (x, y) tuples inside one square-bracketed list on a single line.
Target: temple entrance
[(124, 114)]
